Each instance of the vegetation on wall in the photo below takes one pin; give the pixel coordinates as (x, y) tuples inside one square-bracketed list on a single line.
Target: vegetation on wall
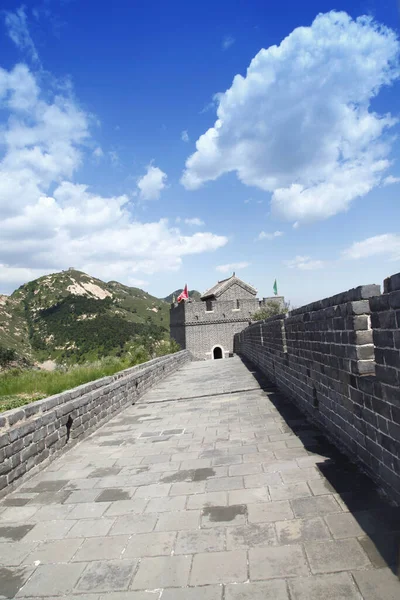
[(270, 309)]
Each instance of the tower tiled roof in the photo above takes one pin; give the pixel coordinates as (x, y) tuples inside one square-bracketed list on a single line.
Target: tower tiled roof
[(223, 285)]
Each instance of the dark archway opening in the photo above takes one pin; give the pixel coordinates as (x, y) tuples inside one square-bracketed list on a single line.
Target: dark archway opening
[(217, 352)]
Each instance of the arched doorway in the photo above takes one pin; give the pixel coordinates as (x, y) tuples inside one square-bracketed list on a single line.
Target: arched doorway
[(217, 352)]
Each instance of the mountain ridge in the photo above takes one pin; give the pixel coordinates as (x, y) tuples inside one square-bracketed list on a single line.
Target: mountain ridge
[(70, 315)]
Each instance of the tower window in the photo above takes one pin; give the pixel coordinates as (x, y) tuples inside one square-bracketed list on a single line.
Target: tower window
[(209, 305), (237, 304)]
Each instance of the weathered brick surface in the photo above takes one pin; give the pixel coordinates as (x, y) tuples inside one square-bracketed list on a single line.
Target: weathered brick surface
[(37, 433), (339, 360)]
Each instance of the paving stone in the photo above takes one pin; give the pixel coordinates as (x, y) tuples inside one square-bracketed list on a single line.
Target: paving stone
[(289, 491), (338, 586), (53, 512), (45, 486), (207, 592), (133, 523), (249, 496), (224, 484), (219, 567), (113, 495), (346, 525), (171, 503), (82, 496), (379, 584), (268, 512), (212, 516), (15, 514), (91, 528), (277, 562), (49, 530), (311, 507), (12, 580), (124, 507), (338, 555), (88, 510), (14, 533), (274, 589), (107, 576), (101, 548), (147, 595), (208, 499), (296, 475), (230, 459), (150, 544), (12, 555), (244, 469), (17, 499), (200, 540), (153, 491), (162, 572), (184, 488), (178, 521), (53, 551), (302, 530), (262, 479), (52, 580), (250, 536)]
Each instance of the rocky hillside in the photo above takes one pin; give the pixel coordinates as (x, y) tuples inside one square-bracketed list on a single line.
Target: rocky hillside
[(73, 316)]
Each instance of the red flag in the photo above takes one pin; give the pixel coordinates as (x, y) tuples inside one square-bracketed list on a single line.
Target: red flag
[(184, 295)]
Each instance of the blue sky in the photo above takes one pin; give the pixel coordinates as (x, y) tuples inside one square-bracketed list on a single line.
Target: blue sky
[(164, 143)]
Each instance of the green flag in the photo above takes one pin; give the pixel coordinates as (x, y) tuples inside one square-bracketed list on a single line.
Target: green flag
[(275, 288)]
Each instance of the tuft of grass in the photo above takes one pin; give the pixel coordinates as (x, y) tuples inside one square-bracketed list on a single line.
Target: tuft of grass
[(19, 387)]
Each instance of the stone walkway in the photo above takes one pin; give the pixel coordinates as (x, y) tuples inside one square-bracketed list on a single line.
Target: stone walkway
[(211, 488)]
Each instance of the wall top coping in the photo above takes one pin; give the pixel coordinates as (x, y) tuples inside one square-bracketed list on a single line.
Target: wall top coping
[(362, 292), (24, 413)]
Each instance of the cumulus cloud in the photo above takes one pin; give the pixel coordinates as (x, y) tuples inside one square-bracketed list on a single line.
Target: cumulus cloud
[(184, 136), (232, 267), (299, 124), (152, 183), (268, 236), (227, 42), (387, 244), (390, 180), (17, 27), (48, 221), (304, 263), (196, 222)]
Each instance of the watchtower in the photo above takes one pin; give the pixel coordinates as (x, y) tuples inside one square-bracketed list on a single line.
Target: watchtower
[(207, 327)]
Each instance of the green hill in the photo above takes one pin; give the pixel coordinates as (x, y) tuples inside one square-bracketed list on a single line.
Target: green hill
[(71, 316)]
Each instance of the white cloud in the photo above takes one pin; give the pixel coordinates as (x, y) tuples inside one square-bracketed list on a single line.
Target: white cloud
[(152, 184), (299, 123), (49, 222), (232, 267), (184, 136), (268, 236), (387, 244), (196, 222), (17, 26), (390, 180), (227, 42), (98, 153), (304, 263)]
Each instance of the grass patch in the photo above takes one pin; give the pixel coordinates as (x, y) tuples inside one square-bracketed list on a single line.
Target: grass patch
[(19, 387)]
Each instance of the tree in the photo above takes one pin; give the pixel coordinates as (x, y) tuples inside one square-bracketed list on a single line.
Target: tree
[(270, 309), (7, 355)]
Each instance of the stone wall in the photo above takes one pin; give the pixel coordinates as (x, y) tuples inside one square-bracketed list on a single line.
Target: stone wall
[(199, 330), (339, 360), (34, 434)]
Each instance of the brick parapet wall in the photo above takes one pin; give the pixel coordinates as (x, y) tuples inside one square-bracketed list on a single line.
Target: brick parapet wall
[(339, 360), (32, 435)]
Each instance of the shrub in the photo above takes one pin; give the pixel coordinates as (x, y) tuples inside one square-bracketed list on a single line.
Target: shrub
[(270, 309)]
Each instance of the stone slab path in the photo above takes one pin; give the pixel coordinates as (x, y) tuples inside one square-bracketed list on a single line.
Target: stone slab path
[(214, 487)]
